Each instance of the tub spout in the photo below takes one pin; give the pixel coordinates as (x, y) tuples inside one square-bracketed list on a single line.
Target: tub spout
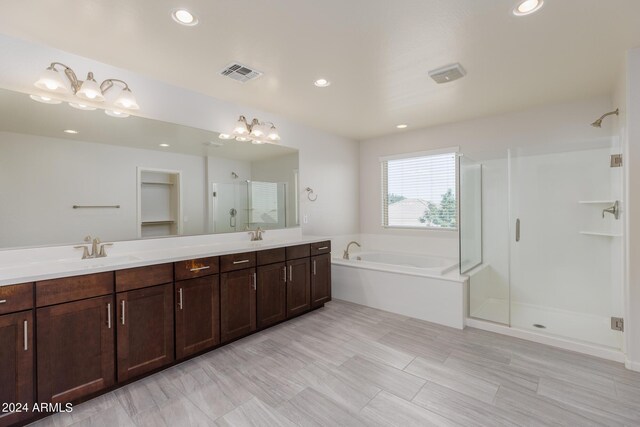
[(346, 251)]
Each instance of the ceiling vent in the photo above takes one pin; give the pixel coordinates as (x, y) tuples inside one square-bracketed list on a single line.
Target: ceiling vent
[(240, 73), (448, 73)]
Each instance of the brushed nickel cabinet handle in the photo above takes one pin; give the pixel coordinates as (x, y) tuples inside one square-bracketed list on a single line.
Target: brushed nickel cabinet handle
[(291, 273), (3, 301), (123, 306), (109, 315), (517, 229), (242, 261), (323, 248), (284, 274), (200, 268), (314, 267), (180, 298), (26, 335), (255, 280)]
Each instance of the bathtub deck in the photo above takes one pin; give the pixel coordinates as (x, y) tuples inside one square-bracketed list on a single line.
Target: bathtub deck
[(351, 365)]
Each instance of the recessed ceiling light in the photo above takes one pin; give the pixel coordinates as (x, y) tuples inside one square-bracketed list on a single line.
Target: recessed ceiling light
[(164, 145), (44, 99), (225, 136), (71, 131), (114, 113), (402, 126), (526, 7), (322, 83), (79, 106), (184, 17)]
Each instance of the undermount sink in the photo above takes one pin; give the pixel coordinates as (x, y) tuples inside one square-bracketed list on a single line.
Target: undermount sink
[(100, 262)]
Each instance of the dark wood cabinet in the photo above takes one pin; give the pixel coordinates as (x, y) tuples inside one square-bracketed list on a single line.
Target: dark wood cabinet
[(75, 349), (237, 303), (145, 330), (271, 294), (298, 287), (16, 369), (320, 280), (197, 305)]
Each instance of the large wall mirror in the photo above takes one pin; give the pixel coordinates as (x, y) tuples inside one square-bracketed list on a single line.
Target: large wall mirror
[(67, 173)]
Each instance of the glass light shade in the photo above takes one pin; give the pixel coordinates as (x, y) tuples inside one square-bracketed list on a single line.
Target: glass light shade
[(90, 90), (527, 7), (242, 139), (126, 100), (241, 127), (114, 113), (273, 134), (79, 106), (51, 80), (45, 99), (259, 130), (225, 136)]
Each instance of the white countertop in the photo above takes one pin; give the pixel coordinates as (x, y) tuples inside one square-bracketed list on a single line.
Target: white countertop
[(32, 270)]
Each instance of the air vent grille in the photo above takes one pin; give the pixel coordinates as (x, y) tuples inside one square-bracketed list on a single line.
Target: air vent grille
[(447, 74), (240, 73)]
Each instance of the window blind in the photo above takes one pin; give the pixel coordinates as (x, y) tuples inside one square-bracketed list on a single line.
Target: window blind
[(420, 191)]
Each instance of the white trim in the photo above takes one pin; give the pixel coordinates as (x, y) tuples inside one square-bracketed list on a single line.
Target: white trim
[(632, 366), (566, 344), (420, 154)]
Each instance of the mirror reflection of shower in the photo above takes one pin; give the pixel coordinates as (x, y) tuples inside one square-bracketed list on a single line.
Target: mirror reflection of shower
[(242, 205)]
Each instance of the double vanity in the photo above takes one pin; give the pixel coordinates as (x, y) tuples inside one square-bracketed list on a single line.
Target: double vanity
[(68, 338)]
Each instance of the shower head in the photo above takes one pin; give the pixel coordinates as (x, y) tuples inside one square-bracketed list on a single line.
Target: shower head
[(598, 123)]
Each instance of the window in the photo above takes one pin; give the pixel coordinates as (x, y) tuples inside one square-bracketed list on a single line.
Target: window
[(419, 191)]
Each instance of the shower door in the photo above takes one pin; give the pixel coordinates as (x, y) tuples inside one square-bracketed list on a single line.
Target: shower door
[(565, 267)]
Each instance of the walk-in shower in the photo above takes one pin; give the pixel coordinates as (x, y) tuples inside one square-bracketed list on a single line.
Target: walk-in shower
[(540, 248)]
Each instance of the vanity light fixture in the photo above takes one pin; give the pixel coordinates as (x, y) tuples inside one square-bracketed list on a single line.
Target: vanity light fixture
[(402, 126), (527, 7), (45, 99), (184, 17), (71, 131), (164, 145), (322, 83), (80, 106), (225, 136), (257, 132), (51, 80)]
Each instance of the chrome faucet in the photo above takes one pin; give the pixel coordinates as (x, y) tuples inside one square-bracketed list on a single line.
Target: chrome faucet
[(257, 234), (346, 251), (97, 248)]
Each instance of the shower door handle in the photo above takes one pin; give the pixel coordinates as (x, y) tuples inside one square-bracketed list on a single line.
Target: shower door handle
[(517, 229)]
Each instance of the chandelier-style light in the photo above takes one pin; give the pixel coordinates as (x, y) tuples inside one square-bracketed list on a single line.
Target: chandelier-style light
[(51, 80), (257, 132)]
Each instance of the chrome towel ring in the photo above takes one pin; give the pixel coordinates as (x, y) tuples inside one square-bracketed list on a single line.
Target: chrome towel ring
[(309, 191)]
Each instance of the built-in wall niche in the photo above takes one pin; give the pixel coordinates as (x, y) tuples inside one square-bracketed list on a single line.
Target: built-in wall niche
[(45, 172), (159, 203)]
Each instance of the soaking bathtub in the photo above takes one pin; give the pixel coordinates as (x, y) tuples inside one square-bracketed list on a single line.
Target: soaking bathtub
[(420, 286)]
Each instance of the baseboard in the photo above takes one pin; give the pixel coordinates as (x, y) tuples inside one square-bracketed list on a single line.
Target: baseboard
[(566, 344), (632, 366)]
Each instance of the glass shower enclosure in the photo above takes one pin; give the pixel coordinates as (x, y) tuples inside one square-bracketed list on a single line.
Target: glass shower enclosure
[(551, 239)]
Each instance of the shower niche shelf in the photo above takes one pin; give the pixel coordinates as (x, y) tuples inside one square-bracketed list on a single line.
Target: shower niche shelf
[(594, 233)]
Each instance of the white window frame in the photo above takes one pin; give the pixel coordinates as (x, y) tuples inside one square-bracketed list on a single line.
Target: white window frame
[(383, 197)]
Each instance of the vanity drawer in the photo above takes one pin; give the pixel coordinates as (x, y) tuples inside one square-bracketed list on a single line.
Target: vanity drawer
[(319, 248), (143, 277), (299, 251), (16, 298), (237, 261), (271, 256), (58, 291), (196, 268)]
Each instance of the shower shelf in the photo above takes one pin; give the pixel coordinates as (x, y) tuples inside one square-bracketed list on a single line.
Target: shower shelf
[(592, 233), (596, 202)]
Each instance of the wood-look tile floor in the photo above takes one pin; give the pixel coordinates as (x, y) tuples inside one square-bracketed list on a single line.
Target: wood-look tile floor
[(349, 365)]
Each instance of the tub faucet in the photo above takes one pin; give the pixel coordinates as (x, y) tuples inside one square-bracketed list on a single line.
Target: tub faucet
[(346, 251)]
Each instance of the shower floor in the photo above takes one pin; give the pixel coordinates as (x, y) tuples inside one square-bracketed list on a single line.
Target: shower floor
[(577, 326)]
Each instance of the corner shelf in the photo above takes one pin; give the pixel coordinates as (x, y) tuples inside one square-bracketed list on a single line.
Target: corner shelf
[(592, 233)]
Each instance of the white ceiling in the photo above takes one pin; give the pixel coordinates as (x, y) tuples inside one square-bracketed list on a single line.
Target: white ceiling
[(377, 53), (20, 114)]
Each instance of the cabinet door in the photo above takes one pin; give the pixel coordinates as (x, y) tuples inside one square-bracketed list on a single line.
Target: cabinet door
[(145, 330), (197, 315), (16, 363), (272, 294), (298, 287), (237, 303), (75, 349), (320, 279)]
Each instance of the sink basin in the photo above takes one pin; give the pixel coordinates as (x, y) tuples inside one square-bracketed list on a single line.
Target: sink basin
[(99, 262)]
